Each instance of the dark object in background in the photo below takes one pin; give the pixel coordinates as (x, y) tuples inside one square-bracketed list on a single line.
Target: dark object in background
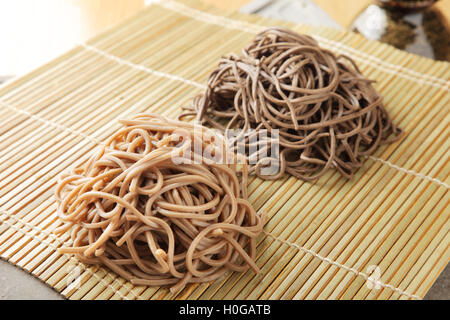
[(414, 26), (409, 5)]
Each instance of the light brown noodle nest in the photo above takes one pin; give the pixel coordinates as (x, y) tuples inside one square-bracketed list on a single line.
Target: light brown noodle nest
[(153, 220), (327, 113)]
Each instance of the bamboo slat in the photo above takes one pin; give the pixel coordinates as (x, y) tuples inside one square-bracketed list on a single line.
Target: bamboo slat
[(322, 240)]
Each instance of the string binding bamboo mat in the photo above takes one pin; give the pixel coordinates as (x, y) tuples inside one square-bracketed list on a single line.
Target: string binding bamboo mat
[(382, 235)]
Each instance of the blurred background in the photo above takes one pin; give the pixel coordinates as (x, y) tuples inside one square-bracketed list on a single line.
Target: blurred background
[(33, 32)]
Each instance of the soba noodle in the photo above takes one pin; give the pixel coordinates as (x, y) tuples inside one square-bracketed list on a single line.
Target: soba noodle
[(327, 113), (154, 220)]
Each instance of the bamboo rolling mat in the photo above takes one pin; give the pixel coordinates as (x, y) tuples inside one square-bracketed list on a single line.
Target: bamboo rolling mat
[(322, 240)]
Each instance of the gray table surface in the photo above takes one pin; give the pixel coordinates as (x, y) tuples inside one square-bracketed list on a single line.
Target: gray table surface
[(18, 284)]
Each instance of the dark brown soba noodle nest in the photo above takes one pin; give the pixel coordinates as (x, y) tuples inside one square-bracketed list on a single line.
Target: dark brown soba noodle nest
[(155, 219), (327, 113)]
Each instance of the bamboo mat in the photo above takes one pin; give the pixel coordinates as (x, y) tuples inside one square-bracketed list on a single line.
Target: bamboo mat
[(322, 240)]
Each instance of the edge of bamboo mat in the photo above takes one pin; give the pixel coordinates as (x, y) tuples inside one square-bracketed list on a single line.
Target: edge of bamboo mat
[(30, 273)]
